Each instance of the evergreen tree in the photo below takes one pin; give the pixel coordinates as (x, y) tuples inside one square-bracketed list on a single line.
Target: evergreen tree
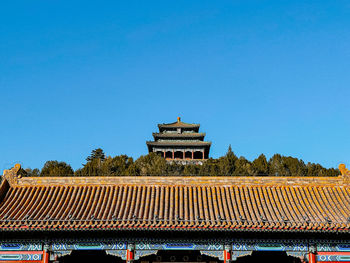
[(209, 168), (32, 172), (151, 164), (230, 153), (243, 167), (55, 168), (191, 169), (117, 166), (226, 164), (313, 169), (94, 164), (96, 154), (332, 172), (276, 166), (294, 166), (91, 168), (260, 165)]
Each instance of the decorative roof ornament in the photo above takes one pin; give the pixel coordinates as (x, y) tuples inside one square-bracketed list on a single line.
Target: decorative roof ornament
[(12, 175), (344, 171)]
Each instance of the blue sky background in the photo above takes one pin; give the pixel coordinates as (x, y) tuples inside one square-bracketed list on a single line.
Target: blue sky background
[(264, 76)]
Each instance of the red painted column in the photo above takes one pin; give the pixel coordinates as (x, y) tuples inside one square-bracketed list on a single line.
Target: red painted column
[(203, 155), (334, 253), (183, 155), (312, 257), (227, 256), (192, 155), (173, 154), (130, 253), (45, 256)]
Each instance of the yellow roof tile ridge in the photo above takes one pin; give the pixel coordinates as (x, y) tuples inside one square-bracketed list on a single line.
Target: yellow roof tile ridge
[(17, 180), (14, 177)]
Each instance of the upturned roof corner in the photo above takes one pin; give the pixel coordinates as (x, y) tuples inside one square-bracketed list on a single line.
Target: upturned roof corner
[(344, 172), (12, 175)]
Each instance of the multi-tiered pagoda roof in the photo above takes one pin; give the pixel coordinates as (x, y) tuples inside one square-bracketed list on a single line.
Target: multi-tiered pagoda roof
[(180, 141)]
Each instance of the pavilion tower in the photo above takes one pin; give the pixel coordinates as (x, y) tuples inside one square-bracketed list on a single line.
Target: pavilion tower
[(180, 142)]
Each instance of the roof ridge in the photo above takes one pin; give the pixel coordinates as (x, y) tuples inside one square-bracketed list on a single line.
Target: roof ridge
[(14, 178), (195, 181)]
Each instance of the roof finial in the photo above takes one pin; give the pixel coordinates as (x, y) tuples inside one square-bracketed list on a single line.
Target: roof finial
[(12, 175), (178, 119), (343, 170)]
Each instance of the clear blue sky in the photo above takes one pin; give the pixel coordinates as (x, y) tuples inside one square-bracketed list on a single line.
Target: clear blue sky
[(264, 76)]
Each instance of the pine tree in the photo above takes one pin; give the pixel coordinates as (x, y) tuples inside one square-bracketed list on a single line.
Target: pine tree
[(55, 168), (260, 165), (32, 172), (96, 154), (151, 164), (226, 164)]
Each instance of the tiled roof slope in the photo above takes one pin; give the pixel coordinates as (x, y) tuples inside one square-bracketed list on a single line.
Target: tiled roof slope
[(171, 135), (174, 203), (178, 124), (175, 143)]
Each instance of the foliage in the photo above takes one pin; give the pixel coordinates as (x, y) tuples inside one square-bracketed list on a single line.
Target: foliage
[(55, 168), (32, 172), (227, 163), (152, 164), (260, 165), (96, 154), (91, 168), (118, 165)]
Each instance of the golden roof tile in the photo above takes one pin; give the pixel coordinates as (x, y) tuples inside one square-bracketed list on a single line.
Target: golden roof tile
[(202, 203)]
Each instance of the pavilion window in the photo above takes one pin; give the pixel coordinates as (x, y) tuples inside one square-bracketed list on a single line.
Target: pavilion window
[(178, 155), (197, 155), (168, 154), (188, 155)]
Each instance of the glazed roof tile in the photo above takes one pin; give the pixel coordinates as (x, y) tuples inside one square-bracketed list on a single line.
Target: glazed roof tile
[(175, 203), (179, 124), (175, 135), (176, 143)]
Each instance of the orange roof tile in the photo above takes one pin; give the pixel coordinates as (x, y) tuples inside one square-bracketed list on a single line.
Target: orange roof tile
[(174, 203)]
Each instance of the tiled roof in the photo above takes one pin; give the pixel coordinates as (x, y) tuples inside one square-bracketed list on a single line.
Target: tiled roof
[(178, 124), (176, 143), (173, 135), (175, 203)]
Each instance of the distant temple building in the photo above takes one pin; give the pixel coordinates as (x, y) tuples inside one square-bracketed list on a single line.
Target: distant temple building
[(180, 141)]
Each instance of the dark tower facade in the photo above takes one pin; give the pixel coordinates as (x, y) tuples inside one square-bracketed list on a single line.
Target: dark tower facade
[(180, 142)]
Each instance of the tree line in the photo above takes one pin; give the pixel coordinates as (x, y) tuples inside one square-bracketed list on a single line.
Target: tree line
[(98, 164)]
